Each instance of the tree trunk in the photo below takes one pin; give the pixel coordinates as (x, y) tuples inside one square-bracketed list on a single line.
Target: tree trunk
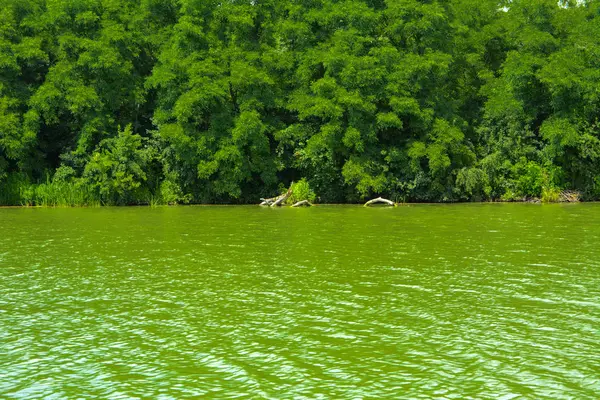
[(380, 200), (276, 201), (304, 203), (282, 198)]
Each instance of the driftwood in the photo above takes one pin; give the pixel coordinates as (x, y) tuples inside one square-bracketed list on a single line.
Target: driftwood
[(569, 196), (380, 200), (267, 202), (276, 201), (302, 203)]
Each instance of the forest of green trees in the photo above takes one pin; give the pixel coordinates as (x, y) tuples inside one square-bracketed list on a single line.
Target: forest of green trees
[(204, 101)]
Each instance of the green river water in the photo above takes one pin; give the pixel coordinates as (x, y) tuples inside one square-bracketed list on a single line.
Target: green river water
[(476, 301)]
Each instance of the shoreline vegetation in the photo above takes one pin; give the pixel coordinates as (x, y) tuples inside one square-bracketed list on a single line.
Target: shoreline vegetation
[(226, 102), (297, 195), (360, 205)]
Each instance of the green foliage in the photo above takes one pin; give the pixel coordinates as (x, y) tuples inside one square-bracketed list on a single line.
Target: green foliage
[(11, 187), (529, 179), (301, 191), (473, 183), (60, 194), (116, 170), (17, 190), (450, 100), (170, 193), (550, 195)]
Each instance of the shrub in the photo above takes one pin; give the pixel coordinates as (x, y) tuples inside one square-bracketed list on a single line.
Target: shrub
[(116, 170), (171, 193), (301, 191), (550, 195), (530, 179), (473, 183)]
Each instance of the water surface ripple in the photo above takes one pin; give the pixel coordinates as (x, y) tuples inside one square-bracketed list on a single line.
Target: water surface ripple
[(494, 301)]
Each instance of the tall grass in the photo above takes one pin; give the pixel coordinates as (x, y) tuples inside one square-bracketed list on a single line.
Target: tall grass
[(10, 189), (155, 201), (550, 195), (18, 191), (63, 194)]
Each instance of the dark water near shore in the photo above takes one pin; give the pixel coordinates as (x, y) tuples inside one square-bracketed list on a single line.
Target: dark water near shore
[(459, 301)]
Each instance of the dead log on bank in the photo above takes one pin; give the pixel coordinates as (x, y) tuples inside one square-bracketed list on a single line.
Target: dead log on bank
[(277, 201), (303, 203), (569, 196), (282, 199), (380, 200), (267, 202)]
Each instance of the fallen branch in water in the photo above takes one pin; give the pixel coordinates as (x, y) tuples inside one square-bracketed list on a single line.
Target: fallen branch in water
[(303, 203), (378, 201), (569, 196), (277, 201)]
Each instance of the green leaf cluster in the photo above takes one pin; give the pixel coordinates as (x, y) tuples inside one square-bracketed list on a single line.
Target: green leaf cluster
[(186, 101)]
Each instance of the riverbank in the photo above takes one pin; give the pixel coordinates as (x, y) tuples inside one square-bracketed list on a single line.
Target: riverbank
[(18, 191), (538, 202), (57, 194)]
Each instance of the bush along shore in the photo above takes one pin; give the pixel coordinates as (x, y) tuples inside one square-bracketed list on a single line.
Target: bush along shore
[(187, 102)]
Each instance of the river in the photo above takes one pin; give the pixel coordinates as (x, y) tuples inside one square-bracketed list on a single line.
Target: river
[(482, 301)]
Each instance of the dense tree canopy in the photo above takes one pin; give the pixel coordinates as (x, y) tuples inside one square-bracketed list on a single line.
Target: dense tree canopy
[(176, 101)]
